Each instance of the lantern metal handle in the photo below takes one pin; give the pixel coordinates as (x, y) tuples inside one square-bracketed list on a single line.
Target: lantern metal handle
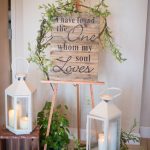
[(118, 90), (14, 66)]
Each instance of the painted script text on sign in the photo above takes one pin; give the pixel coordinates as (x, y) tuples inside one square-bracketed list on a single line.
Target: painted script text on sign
[(74, 48)]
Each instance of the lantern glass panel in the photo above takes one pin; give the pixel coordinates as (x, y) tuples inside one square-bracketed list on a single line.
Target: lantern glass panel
[(10, 111), (97, 134), (22, 112)]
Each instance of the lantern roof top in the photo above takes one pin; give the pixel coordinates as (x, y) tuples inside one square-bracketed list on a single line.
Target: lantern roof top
[(106, 110), (20, 88)]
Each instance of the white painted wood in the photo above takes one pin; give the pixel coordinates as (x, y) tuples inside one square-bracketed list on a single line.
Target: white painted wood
[(22, 93)]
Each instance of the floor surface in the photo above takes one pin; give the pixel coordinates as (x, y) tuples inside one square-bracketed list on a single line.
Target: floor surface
[(145, 145)]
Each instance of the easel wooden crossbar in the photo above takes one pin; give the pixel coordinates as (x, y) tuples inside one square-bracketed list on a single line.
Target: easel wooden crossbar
[(77, 83)]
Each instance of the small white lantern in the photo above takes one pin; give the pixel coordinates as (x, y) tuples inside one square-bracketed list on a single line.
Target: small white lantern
[(105, 119), (18, 106)]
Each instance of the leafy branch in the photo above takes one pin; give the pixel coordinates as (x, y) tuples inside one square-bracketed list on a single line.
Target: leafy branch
[(38, 56), (126, 137), (58, 137), (51, 11)]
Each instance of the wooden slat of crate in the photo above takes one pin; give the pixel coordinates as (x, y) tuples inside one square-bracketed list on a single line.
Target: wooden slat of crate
[(10, 141)]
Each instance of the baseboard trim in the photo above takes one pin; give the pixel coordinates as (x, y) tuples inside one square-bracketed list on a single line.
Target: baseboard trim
[(145, 132)]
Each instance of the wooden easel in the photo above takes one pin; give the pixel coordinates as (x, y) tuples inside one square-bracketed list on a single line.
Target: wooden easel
[(77, 83)]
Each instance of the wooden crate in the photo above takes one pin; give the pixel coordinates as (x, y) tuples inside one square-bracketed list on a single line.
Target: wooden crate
[(10, 141)]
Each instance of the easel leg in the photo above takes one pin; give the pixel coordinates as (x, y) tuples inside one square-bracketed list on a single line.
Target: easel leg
[(92, 96), (51, 112), (93, 105), (78, 111)]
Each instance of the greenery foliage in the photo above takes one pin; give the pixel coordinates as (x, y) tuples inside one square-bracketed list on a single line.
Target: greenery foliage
[(78, 145), (126, 137), (58, 138), (38, 56)]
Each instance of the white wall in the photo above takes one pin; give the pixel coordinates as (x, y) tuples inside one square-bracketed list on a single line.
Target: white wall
[(128, 23), (145, 121), (145, 111)]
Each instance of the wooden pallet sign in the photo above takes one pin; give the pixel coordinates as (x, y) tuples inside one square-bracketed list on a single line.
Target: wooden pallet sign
[(74, 48)]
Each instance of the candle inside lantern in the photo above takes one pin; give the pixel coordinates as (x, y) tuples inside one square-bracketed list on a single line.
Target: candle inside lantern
[(24, 123), (19, 113), (11, 117), (101, 141)]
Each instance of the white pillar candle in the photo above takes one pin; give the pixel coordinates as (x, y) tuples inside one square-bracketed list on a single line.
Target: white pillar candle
[(24, 122), (11, 117), (19, 113), (101, 142)]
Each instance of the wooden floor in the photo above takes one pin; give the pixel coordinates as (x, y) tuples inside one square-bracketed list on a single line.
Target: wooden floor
[(145, 145)]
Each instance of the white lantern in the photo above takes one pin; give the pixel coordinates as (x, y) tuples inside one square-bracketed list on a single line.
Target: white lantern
[(18, 106), (105, 120)]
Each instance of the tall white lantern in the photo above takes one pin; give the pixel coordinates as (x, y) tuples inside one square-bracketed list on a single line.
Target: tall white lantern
[(104, 124), (19, 106)]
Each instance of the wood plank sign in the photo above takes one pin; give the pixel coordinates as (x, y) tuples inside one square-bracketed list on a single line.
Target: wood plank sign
[(74, 48)]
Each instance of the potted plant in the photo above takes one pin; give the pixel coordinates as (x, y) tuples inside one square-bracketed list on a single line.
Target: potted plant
[(58, 138), (127, 137)]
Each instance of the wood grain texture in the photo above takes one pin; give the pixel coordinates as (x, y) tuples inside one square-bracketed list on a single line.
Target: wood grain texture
[(78, 111), (10, 141), (143, 145), (77, 18), (51, 112), (72, 82), (6, 134), (77, 57), (74, 46)]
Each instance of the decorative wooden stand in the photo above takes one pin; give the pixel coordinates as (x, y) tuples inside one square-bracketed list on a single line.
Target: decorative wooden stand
[(77, 83), (10, 141)]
